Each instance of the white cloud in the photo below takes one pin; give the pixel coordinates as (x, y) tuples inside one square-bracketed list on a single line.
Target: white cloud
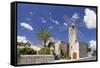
[(92, 45), (43, 20), (75, 16), (21, 39), (51, 27), (90, 18), (27, 26), (54, 21), (65, 24), (29, 19)]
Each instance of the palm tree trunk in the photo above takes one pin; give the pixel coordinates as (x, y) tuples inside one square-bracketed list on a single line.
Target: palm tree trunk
[(45, 43)]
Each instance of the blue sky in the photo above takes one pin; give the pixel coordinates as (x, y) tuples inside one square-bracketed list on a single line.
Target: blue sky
[(31, 18)]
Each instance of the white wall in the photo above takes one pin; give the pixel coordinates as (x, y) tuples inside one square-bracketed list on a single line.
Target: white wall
[(5, 34)]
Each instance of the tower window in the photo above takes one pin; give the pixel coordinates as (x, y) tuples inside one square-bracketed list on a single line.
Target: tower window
[(73, 27), (75, 41), (71, 47)]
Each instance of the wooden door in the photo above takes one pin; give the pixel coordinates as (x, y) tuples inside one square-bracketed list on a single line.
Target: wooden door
[(74, 55)]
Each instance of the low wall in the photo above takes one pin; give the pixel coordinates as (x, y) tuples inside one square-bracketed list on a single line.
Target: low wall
[(35, 59)]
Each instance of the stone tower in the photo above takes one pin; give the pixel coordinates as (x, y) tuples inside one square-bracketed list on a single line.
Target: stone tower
[(73, 44)]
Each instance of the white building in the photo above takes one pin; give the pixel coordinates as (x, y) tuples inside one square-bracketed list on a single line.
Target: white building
[(57, 48)]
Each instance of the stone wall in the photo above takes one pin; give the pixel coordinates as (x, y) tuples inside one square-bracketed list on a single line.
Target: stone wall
[(83, 50), (35, 59)]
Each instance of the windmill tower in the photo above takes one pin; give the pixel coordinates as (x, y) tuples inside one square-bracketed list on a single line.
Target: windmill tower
[(73, 44)]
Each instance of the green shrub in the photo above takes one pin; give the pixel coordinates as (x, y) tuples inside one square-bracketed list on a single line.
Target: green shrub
[(94, 53), (64, 55), (18, 51), (89, 49), (25, 51), (44, 50)]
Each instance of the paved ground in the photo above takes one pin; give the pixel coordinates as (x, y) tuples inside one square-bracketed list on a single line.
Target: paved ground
[(81, 59)]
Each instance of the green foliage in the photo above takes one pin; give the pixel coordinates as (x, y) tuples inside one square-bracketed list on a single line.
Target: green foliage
[(44, 50), (18, 51), (94, 53), (50, 44), (89, 49), (44, 35), (25, 51), (63, 54)]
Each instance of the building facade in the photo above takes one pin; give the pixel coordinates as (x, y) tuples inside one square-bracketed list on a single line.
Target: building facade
[(73, 44)]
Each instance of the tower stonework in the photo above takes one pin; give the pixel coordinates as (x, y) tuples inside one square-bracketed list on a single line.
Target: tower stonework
[(73, 44)]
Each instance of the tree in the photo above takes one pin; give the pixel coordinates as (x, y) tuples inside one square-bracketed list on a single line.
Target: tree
[(94, 53), (89, 49), (64, 54), (44, 35), (44, 50)]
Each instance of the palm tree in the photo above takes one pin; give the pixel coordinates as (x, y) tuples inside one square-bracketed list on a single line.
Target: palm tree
[(44, 35)]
